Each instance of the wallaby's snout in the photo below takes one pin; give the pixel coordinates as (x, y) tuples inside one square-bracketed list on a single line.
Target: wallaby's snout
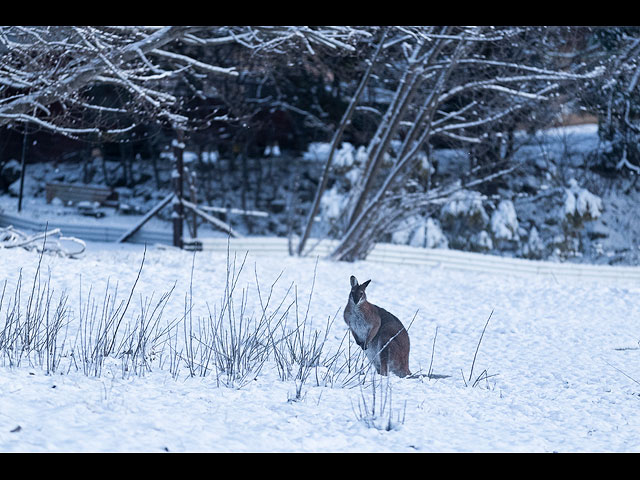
[(379, 333)]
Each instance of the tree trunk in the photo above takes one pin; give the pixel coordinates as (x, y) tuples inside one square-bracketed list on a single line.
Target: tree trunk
[(346, 118), (361, 233)]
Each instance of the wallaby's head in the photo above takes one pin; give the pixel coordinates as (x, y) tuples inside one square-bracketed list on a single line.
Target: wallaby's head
[(357, 294)]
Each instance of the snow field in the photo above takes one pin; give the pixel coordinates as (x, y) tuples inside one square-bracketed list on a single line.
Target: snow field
[(557, 352)]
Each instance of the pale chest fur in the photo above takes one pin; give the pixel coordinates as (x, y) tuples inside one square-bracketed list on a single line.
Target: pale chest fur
[(361, 328), (355, 319)]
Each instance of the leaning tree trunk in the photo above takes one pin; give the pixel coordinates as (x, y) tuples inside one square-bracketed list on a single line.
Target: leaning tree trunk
[(362, 231), (346, 118), (463, 106)]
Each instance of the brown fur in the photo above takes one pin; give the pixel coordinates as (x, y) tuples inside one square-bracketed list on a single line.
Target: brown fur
[(379, 333)]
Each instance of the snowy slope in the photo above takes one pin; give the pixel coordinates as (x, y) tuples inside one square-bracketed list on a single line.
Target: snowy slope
[(558, 353), (555, 206)]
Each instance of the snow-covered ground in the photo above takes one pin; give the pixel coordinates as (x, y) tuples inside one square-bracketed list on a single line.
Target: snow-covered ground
[(559, 363)]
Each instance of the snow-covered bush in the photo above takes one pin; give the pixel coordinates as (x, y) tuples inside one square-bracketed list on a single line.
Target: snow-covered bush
[(424, 168), (272, 150), (189, 157), (375, 408), (466, 204), (317, 152), (345, 157), (534, 247), (481, 242), (463, 217), (434, 236), (504, 221), (209, 157), (352, 176), (504, 225), (403, 232), (332, 205), (167, 154), (347, 161), (580, 204), (420, 232), (361, 155)]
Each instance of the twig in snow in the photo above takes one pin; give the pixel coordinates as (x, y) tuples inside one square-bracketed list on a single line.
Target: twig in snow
[(478, 346)]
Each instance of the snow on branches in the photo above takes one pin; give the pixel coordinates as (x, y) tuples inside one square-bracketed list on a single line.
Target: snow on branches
[(452, 84), (52, 76)]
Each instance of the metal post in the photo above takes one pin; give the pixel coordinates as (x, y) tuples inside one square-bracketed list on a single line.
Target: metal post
[(178, 210), (193, 196), (22, 166)]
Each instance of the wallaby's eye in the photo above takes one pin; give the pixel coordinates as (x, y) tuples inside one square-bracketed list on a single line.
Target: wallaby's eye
[(357, 294)]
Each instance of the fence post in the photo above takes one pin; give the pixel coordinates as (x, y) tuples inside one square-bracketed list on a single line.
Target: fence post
[(177, 176)]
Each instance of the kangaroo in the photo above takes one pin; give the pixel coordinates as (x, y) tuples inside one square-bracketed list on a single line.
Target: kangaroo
[(380, 334)]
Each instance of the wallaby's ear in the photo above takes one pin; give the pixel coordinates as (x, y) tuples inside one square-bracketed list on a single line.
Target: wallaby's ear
[(364, 285), (354, 281)]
